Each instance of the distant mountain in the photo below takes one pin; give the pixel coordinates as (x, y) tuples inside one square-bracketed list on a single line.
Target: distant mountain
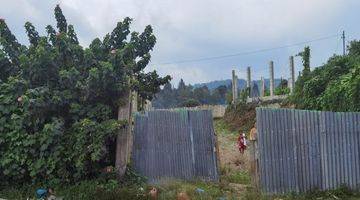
[(212, 85)]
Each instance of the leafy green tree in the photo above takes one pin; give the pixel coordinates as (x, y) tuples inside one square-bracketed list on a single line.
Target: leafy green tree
[(190, 103), (60, 19), (59, 101)]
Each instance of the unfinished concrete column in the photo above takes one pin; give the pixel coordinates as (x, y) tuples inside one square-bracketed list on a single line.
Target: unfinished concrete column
[(148, 105), (292, 74), (262, 93), (272, 84), (234, 87), (134, 104), (248, 81)]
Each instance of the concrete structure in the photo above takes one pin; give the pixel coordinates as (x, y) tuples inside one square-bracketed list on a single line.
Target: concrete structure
[(291, 82), (234, 87), (148, 105), (262, 92), (248, 80), (272, 81), (266, 98), (134, 103)]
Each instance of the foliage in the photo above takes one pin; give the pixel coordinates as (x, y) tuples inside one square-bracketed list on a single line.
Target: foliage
[(59, 101), (239, 177), (305, 56), (212, 191), (335, 86), (170, 97), (241, 117), (282, 89), (190, 103)]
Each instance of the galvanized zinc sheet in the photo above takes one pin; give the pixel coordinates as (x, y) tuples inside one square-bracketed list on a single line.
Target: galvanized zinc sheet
[(175, 144), (301, 150)]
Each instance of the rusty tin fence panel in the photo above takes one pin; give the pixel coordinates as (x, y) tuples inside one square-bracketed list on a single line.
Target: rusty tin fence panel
[(175, 144), (301, 150)]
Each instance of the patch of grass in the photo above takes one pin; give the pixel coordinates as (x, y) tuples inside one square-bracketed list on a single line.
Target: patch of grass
[(85, 190), (240, 177), (342, 192), (222, 128), (171, 189), (8, 192)]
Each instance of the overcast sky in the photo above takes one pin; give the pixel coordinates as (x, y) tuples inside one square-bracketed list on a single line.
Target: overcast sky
[(193, 29)]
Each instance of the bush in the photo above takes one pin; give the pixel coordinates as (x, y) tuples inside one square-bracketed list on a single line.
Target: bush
[(190, 103)]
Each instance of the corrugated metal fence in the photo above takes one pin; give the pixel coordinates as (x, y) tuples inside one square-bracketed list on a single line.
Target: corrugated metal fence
[(301, 150), (175, 144)]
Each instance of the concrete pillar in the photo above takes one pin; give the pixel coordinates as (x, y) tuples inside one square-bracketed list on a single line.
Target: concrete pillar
[(248, 81), (262, 92), (134, 103), (292, 74), (272, 82), (148, 105), (234, 87)]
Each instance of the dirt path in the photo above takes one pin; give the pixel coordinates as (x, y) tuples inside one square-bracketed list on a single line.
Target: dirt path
[(233, 164)]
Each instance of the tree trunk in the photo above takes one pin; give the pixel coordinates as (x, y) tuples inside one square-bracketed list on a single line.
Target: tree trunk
[(123, 137)]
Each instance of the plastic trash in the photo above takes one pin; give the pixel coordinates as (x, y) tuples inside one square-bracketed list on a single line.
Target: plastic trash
[(199, 190), (41, 193)]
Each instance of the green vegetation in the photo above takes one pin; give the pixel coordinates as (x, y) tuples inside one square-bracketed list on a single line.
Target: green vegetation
[(282, 88), (187, 96), (240, 117), (335, 86), (59, 101), (222, 127)]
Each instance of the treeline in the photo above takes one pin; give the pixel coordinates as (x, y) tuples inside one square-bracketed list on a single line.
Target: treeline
[(188, 96), (334, 86)]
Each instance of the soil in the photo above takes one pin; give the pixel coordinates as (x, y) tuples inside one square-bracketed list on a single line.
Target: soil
[(230, 157)]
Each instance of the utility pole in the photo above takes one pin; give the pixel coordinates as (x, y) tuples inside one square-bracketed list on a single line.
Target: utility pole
[(343, 39)]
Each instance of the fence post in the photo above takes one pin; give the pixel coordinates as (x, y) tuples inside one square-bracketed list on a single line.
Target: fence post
[(123, 137), (272, 84), (234, 87), (292, 74), (148, 105)]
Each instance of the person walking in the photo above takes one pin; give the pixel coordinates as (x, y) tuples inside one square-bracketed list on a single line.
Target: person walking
[(242, 142)]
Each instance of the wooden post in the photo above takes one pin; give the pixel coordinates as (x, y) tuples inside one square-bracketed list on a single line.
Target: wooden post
[(292, 74), (123, 137), (272, 83)]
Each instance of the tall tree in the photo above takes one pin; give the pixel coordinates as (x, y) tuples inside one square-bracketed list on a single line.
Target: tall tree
[(32, 34), (60, 19), (61, 100)]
